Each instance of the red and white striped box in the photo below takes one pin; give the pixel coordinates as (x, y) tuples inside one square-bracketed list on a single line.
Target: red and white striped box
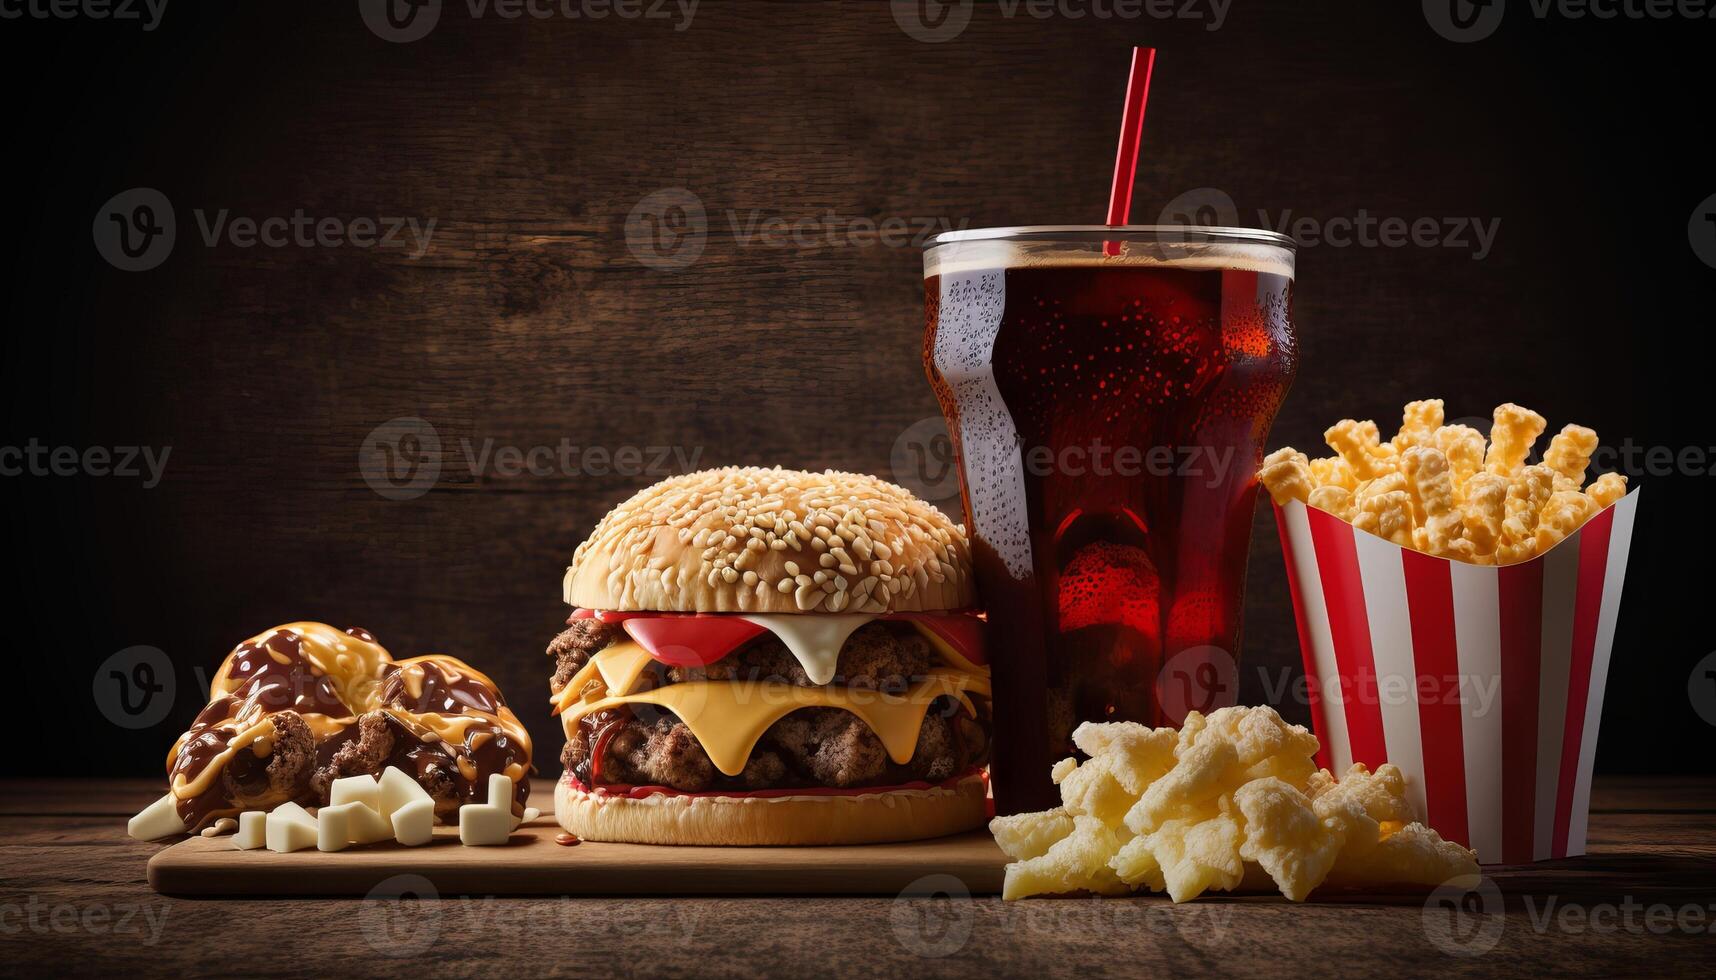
[(1483, 684)]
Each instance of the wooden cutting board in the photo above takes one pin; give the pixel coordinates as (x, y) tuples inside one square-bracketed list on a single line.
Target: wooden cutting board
[(533, 864)]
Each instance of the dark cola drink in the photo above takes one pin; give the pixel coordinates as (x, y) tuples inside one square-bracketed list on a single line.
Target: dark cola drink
[(1109, 401)]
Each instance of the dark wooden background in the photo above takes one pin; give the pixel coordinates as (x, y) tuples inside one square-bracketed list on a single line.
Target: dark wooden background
[(529, 320)]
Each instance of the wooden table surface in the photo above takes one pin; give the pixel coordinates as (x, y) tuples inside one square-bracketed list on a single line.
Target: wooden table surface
[(73, 900)]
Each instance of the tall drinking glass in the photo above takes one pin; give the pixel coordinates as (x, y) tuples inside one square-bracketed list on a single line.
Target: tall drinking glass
[(1109, 392)]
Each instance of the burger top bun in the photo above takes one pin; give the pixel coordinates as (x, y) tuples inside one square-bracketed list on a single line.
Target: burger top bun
[(747, 539)]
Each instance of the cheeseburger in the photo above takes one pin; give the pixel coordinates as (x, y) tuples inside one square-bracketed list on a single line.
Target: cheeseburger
[(768, 656)]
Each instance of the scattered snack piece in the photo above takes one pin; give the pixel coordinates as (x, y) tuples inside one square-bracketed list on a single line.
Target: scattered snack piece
[(252, 830), (350, 823), (488, 824), (1462, 500), (414, 822), (290, 828), (357, 789), (1230, 798), (225, 825), (395, 790), (158, 819)]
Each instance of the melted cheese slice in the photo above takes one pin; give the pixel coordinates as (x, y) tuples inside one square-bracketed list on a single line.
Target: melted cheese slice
[(814, 641), (728, 717)]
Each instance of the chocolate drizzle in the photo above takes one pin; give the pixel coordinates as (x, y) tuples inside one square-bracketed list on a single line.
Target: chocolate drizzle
[(300, 705)]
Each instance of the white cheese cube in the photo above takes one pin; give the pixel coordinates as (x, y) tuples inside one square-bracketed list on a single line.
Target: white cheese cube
[(350, 823), (290, 828), (397, 789), (414, 822), (500, 791), (252, 830), (484, 824), (158, 819), (355, 789)]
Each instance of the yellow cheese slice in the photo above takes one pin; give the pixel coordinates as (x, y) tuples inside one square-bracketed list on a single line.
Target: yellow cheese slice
[(948, 653), (621, 664), (728, 717)]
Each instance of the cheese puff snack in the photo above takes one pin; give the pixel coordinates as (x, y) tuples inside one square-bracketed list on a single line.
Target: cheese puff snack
[(1333, 471), (1359, 445), (1286, 474), (1511, 437), (1418, 424), (1233, 797), (1569, 453), (1465, 500)]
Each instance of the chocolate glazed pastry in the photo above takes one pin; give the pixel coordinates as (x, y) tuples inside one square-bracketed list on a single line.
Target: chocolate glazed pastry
[(299, 706)]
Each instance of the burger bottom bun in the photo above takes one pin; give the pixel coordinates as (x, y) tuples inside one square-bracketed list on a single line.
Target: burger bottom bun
[(871, 818)]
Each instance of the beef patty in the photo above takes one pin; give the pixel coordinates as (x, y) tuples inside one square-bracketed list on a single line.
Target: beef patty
[(811, 747)]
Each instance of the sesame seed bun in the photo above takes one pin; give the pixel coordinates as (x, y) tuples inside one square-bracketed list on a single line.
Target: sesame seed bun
[(867, 818), (728, 540)]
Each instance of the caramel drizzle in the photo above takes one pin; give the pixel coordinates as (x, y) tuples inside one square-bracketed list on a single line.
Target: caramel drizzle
[(357, 669)]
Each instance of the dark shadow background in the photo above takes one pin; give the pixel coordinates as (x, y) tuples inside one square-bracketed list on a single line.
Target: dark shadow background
[(529, 319)]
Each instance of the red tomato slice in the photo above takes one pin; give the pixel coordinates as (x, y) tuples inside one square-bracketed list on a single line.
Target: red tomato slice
[(699, 639), (691, 641), (962, 631)]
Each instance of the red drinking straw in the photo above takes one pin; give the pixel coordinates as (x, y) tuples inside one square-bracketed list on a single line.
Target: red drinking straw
[(1131, 130)]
